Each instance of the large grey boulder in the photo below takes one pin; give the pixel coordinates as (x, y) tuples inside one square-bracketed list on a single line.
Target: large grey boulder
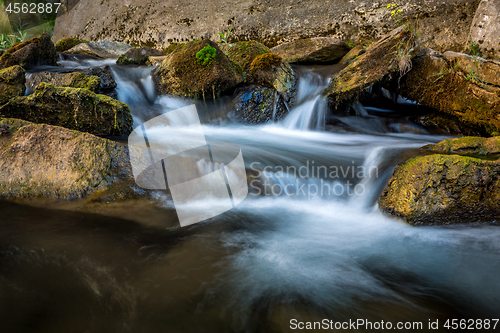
[(445, 23), (316, 50), (101, 49), (485, 29)]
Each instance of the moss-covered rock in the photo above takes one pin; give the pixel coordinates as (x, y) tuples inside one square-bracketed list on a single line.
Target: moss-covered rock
[(467, 145), (270, 70), (68, 43), (138, 56), (12, 80), (50, 161), (37, 51), (257, 104), (444, 189), (72, 80), (244, 53), (73, 108), (386, 59), (182, 73), (155, 61), (317, 50), (456, 84), (353, 54)]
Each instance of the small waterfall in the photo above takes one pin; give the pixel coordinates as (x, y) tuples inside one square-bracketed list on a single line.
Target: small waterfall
[(310, 109)]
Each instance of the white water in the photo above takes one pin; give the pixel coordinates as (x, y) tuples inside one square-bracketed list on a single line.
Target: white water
[(329, 253)]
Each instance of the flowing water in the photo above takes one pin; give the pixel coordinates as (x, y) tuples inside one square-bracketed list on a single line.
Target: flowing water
[(320, 250)]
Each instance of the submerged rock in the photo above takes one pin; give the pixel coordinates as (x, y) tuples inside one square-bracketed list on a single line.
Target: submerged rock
[(73, 108), (68, 43), (457, 84), (72, 80), (198, 69), (317, 50), (485, 28), (101, 49), (37, 51), (12, 82), (138, 56), (387, 59), (257, 104), (50, 161)]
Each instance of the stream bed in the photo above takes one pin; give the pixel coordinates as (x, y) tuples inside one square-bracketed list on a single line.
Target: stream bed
[(308, 255)]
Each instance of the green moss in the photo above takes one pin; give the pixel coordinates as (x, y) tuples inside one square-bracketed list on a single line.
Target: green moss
[(206, 55), (68, 43)]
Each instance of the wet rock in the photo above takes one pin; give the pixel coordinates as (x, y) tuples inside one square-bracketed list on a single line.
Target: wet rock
[(467, 145), (318, 50), (138, 56), (442, 189), (37, 51), (50, 161), (108, 82), (447, 124), (68, 43), (257, 104), (198, 69), (101, 49), (385, 60), (4, 130), (485, 28), (456, 84), (72, 80), (270, 70), (244, 53), (155, 61), (73, 108), (444, 23), (12, 80)]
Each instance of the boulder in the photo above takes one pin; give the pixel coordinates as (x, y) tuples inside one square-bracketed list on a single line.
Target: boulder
[(445, 23), (73, 108), (37, 51), (68, 43), (353, 54), (244, 53), (138, 56), (467, 145), (485, 28), (198, 69), (12, 82), (51, 161), (457, 84), (318, 50), (444, 189), (257, 104), (73, 80), (101, 49), (270, 70), (385, 60)]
